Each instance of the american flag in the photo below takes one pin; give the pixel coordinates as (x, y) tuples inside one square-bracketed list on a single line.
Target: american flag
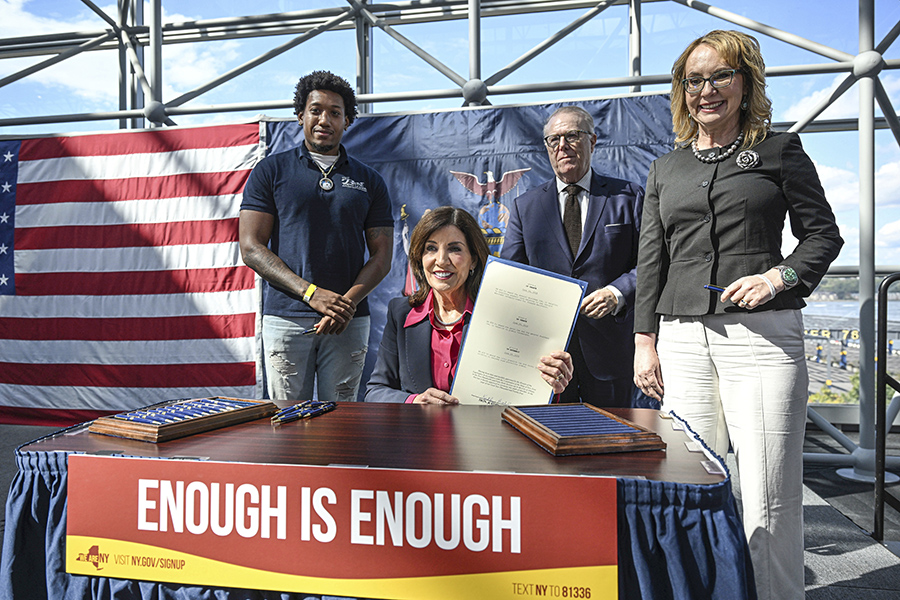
[(121, 282)]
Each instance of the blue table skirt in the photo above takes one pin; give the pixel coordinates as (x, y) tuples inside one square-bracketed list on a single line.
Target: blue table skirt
[(676, 541)]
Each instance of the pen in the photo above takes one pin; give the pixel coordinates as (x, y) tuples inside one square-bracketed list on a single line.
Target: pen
[(714, 288), (304, 410), (308, 331)]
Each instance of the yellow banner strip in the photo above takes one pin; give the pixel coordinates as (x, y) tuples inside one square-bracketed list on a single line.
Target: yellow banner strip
[(128, 560)]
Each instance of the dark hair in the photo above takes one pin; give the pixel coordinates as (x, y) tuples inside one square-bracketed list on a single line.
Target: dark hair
[(324, 80), (741, 52), (438, 219)]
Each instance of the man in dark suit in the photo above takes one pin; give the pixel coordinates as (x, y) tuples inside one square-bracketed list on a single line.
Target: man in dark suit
[(583, 225)]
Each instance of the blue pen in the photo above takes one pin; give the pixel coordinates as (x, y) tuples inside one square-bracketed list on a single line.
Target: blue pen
[(232, 402), (305, 413), (714, 288), (309, 330)]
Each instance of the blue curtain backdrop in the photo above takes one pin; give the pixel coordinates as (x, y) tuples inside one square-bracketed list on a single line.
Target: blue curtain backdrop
[(417, 154)]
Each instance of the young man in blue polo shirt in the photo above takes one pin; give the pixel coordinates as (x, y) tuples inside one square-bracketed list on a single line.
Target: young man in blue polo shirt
[(307, 218)]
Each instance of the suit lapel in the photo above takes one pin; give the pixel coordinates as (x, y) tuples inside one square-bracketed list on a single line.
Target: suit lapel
[(418, 337), (596, 205)]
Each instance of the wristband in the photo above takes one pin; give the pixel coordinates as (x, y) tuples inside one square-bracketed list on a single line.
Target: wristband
[(768, 283), (308, 294)]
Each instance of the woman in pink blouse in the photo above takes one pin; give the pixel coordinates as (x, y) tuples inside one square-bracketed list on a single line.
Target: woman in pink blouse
[(423, 334)]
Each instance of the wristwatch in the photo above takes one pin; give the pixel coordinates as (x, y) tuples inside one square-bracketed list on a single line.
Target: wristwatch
[(788, 276)]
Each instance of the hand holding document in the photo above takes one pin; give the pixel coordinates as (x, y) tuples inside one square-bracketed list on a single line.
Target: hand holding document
[(521, 314)]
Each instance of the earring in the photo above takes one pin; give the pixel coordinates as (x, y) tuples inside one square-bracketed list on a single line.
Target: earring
[(745, 105)]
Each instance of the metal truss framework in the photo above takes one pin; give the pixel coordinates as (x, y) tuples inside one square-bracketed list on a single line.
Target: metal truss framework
[(138, 39)]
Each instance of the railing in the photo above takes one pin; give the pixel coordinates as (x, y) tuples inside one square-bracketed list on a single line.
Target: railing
[(882, 380)]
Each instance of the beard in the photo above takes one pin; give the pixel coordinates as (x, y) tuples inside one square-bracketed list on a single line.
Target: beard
[(320, 148)]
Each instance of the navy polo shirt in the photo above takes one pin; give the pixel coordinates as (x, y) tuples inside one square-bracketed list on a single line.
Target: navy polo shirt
[(319, 234)]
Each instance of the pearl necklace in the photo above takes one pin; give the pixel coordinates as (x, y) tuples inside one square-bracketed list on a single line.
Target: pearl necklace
[(712, 156)]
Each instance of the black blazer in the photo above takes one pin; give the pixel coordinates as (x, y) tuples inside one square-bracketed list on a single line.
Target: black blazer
[(715, 223), (403, 366)]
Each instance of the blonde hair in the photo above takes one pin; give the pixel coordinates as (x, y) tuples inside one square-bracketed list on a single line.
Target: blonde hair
[(741, 52)]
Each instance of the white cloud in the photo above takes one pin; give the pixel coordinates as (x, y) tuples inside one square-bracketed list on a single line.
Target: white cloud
[(842, 186), (93, 76), (846, 106), (887, 244), (850, 251), (887, 184)]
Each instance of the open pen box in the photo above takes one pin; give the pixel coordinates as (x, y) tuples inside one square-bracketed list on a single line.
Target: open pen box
[(179, 418)]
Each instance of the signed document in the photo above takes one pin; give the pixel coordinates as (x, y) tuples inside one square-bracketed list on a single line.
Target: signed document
[(521, 314)]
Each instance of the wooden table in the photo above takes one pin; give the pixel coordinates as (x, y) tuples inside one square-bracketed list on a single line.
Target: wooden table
[(460, 438), (679, 533)]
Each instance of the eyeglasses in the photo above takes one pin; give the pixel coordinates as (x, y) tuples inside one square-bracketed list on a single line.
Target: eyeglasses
[(572, 137), (719, 79)]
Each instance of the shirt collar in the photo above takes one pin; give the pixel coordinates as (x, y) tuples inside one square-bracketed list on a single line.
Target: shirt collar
[(584, 183), (420, 312), (304, 151)]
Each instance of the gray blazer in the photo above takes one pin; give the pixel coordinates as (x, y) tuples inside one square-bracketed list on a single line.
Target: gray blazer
[(715, 223)]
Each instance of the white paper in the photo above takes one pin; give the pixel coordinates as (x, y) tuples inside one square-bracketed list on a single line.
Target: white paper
[(521, 314)]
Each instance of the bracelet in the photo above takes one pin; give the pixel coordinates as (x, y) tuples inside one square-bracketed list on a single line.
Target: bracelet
[(308, 294), (768, 283)]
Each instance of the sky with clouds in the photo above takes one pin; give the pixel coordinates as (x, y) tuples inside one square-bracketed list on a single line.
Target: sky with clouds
[(598, 49)]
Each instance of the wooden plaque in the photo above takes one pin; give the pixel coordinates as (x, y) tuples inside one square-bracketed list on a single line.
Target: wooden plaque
[(178, 418), (568, 429)]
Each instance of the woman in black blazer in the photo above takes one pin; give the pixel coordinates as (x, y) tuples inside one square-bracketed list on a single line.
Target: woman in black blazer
[(718, 329), (423, 334)]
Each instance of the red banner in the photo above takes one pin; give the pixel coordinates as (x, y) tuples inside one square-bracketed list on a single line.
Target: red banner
[(376, 533)]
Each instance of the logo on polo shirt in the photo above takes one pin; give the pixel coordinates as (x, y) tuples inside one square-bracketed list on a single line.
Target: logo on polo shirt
[(353, 185)]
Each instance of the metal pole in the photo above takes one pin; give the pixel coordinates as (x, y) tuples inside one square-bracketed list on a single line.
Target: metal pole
[(866, 245), (123, 63), (155, 52), (474, 39), (768, 30), (137, 92), (634, 42), (559, 35), (412, 47), (881, 424), (364, 65)]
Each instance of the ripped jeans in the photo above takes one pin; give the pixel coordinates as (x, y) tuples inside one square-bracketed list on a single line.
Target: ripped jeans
[(296, 363)]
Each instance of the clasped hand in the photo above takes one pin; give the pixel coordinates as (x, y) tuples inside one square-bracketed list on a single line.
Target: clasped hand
[(337, 311)]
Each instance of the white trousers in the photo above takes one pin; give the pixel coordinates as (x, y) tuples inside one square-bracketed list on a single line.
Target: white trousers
[(742, 378)]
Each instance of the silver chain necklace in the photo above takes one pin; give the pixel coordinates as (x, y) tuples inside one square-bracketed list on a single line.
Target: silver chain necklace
[(712, 156)]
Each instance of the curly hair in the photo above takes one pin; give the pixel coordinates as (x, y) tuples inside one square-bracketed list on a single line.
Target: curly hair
[(438, 219), (325, 80), (741, 52)]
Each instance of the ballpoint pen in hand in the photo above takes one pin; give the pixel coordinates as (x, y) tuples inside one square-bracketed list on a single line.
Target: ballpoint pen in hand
[(714, 288)]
